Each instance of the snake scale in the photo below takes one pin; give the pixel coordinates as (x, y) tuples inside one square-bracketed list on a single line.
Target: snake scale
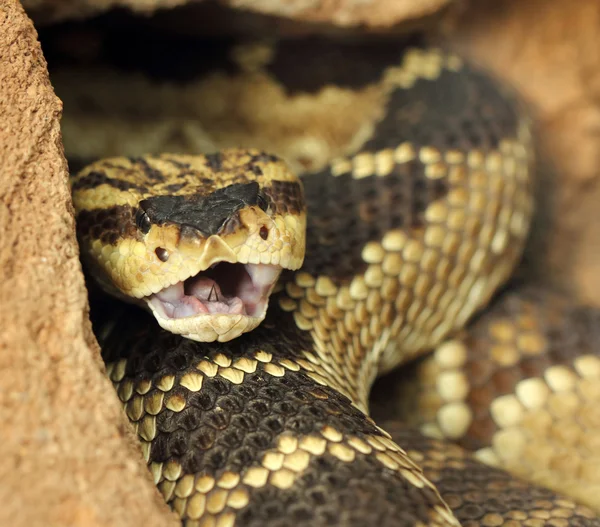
[(416, 192)]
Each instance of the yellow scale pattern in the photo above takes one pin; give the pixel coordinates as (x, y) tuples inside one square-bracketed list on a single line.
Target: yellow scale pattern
[(202, 500), (530, 413), (419, 286)]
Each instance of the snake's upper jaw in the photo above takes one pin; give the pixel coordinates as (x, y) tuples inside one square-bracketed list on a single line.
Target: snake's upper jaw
[(220, 303)]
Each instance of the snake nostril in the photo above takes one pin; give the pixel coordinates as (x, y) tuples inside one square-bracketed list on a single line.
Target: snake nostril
[(264, 232), (162, 254)]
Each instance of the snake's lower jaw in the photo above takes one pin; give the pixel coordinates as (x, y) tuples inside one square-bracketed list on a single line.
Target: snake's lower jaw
[(219, 304)]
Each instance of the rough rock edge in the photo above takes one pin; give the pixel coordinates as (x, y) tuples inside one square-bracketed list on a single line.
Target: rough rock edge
[(68, 454), (370, 13)]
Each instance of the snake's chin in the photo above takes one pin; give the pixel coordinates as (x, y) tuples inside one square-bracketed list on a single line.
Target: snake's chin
[(220, 303)]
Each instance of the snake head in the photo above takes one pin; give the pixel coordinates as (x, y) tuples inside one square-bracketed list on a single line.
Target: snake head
[(200, 241)]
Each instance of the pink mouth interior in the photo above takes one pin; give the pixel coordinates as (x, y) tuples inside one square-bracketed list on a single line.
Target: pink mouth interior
[(231, 289)]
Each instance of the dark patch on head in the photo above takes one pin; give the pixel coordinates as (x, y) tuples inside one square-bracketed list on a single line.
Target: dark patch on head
[(462, 110), (285, 197), (151, 173), (95, 179), (108, 225), (263, 201), (206, 214), (214, 161), (307, 65), (345, 213)]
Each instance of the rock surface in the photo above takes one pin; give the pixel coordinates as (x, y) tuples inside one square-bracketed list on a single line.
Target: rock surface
[(375, 13), (68, 456)]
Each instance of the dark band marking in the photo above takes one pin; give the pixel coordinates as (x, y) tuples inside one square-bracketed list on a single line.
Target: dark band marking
[(151, 173), (308, 65), (462, 110), (285, 197), (473, 489), (225, 426), (207, 214), (95, 179), (568, 332), (133, 47), (577, 334), (334, 492), (108, 225), (345, 213)]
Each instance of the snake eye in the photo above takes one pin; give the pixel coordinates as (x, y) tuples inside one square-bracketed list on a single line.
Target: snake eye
[(162, 254), (142, 221)]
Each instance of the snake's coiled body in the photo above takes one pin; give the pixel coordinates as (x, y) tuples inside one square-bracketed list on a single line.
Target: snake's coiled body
[(412, 226), (242, 434)]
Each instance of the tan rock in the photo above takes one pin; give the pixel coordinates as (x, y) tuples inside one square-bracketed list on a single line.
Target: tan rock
[(548, 50), (374, 13), (68, 456)]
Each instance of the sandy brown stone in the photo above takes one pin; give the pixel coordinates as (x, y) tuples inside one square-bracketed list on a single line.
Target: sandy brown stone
[(374, 13), (68, 456), (548, 50)]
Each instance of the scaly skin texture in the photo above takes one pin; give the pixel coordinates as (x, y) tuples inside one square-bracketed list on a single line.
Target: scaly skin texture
[(407, 238), (262, 221), (417, 176), (481, 495), (246, 433), (520, 389)]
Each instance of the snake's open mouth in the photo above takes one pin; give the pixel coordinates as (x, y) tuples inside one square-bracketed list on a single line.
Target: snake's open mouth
[(224, 289)]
